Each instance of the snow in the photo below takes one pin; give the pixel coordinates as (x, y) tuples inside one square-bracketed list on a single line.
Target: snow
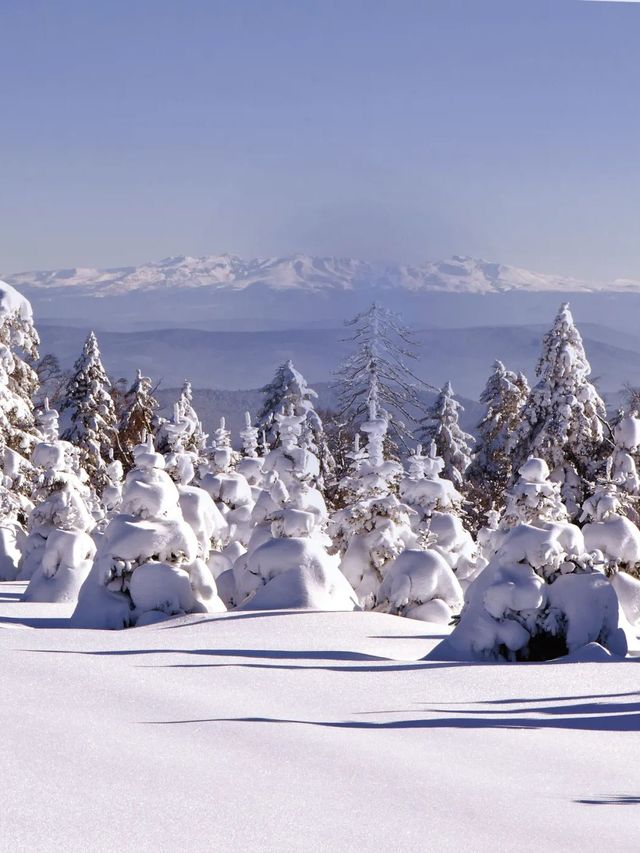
[(315, 731), (458, 274)]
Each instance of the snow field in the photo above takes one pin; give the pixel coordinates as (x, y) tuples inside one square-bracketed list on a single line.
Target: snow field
[(287, 731)]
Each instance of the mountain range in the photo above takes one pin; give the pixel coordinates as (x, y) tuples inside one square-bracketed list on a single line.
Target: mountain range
[(459, 274)]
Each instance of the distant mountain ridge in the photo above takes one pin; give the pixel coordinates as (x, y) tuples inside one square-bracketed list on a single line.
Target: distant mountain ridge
[(304, 273)]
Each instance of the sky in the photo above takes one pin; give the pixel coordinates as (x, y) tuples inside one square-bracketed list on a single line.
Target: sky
[(382, 129)]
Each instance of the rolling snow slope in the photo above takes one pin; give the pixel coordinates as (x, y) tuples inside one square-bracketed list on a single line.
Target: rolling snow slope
[(290, 731)]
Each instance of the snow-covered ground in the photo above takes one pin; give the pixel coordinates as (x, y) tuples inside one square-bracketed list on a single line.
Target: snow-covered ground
[(296, 731)]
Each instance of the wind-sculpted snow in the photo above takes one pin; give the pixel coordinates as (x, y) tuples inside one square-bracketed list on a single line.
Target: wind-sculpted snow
[(305, 731)]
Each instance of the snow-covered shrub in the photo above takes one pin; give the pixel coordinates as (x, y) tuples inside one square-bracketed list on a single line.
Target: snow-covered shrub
[(420, 585)]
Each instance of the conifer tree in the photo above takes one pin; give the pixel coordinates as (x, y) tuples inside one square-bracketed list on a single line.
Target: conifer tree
[(564, 418), (380, 368), (137, 417), (90, 414), (289, 391), (491, 470), (440, 425), (197, 439)]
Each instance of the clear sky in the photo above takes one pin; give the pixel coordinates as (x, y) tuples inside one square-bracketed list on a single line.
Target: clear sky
[(384, 129)]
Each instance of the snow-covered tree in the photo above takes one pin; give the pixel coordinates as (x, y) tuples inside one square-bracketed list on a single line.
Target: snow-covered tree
[(137, 417), (563, 419), (287, 564), (379, 370), (288, 390), (441, 425), (491, 469), (438, 519), (374, 527), (89, 413), (58, 552), (540, 596), (18, 385), (148, 565)]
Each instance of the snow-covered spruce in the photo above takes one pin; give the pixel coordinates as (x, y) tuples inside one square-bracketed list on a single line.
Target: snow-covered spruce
[(540, 596), (289, 391), (491, 469), (88, 414), (615, 540), (563, 418), (18, 384), (148, 565), (192, 437), (441, 425), (379, 370), (58, 553), (622, 465), (438, 520), (137, 417), (251, 463), (287, 564), (374, 527)]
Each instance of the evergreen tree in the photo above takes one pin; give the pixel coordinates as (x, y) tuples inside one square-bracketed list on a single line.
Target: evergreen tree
[(137, 417), (89, 411), (197, 439), (564, 418), (440, 425), (19, 352), (288, 391), (491, 470), (378, 371)]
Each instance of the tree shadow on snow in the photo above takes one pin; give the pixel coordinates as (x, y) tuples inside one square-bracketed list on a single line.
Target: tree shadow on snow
[(622, 722), (620, 800)]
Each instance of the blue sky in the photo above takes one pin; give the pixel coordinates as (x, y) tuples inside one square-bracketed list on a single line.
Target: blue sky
[(135, 129)]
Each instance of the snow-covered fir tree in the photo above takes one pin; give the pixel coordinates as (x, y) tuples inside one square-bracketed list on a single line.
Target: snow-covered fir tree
[(491, 469), (380, 366), (58, 553), (148, 565), (563, 420), (441, 426), (438, 519), (137, 417), (374, 527), (541, 595), (18, 385), (289, 390), (89, 413), (287, 563)]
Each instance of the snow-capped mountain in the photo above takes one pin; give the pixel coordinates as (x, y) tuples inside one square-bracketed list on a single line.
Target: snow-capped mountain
[(458, 274)]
